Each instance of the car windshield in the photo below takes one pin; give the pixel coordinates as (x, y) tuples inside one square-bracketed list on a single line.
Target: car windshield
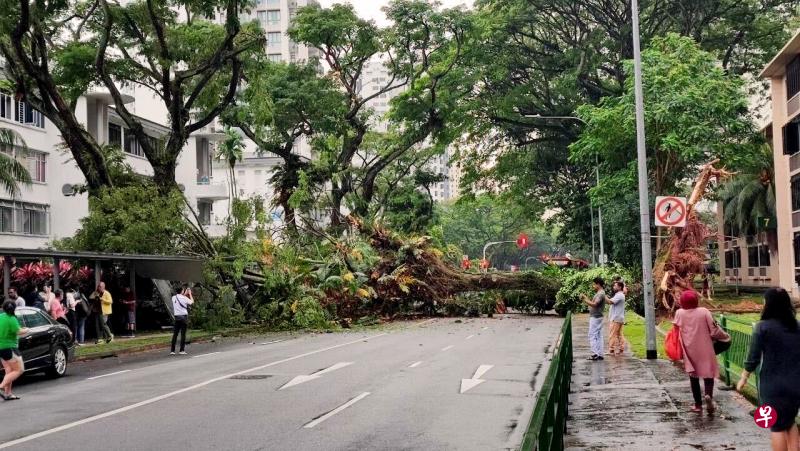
[(31, 318)]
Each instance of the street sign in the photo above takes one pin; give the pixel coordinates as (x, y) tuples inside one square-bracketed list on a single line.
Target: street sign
[(522, 241), (671, 211)]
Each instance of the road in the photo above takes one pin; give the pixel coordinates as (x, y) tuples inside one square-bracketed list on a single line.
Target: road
[(435, 385)]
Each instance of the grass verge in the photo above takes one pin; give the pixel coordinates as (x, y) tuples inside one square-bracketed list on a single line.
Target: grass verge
[(149, 341)]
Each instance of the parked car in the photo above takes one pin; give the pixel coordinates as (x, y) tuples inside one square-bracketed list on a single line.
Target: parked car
[(48, 347)]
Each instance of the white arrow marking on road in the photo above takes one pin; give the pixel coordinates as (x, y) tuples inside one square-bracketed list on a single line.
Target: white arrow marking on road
[(447, 348), (310, 377), (336, 410), (468, 384), (470, 337), (415, 364), (105, 375)]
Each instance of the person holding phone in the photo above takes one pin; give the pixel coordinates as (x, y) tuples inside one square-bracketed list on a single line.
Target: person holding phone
[(180, 308)]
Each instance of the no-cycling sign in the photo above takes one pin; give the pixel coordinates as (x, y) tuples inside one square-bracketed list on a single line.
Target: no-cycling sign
[(670, 211)]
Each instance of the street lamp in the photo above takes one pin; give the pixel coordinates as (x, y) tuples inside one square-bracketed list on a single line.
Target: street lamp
[(602, 258)]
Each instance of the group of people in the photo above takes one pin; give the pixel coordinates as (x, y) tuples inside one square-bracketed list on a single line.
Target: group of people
[(774, 347), (616, 318), (73, 309)]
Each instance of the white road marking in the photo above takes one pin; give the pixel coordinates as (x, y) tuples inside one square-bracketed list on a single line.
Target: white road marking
[(415, 364), (470, 337), (468, 384), (481, 371), (447, 348), (203, 355), (146, 402), (485, 327), (106, 375), (336, 410), (426, 322), (310, 377), (273, 341)]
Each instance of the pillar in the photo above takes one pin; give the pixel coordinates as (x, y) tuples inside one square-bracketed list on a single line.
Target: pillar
[(97, 272), (6, 275), (56, 275)]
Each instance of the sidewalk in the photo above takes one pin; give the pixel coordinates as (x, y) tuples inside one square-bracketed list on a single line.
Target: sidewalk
[(628, 403)]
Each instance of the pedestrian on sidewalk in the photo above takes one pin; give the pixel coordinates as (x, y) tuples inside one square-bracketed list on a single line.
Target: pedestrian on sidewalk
[(101, 307), (616, 319), (698, 330), (180, 308), (56, 308), (10, 357), (72, 317), (596, 307), (130, 303), (775, 345), (82, 312), (13, 296)]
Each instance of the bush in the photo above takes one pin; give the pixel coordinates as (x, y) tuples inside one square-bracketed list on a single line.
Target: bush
[(574, 283), (528, 301), (308, 314), (472, 304)]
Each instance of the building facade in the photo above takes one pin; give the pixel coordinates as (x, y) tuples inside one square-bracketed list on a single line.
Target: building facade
[(50, 208), (783, 73)]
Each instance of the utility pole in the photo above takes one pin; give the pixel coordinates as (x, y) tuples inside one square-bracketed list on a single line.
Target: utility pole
[(644, 200), (600, 214), (591, 212)]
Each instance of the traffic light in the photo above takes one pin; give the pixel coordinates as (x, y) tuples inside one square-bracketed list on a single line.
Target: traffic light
[(522, 241)]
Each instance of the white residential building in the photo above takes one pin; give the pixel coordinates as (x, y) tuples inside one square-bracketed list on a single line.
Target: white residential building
[(47, 209)]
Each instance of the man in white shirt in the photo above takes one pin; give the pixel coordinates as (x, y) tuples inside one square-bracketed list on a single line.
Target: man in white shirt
[(616, 319), (180, 308)]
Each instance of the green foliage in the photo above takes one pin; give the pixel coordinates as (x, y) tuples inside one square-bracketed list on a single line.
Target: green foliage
[(308, 314), (215, 311), (686, 127), (12, 172), (575, 283), (131, 219), (472, 304), (750, 196)]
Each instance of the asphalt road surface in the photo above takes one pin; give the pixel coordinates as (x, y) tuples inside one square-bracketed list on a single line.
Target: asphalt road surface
[(429, 385)]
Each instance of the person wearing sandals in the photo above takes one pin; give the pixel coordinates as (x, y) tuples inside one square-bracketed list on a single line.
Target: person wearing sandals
[(698, 330), (775, 346), (10, 357)]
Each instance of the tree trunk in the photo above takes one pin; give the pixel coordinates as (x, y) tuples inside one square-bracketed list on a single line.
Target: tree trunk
[(164, 176)]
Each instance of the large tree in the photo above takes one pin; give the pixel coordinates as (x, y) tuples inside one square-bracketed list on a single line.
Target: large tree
[(422, 51), (55, 51)]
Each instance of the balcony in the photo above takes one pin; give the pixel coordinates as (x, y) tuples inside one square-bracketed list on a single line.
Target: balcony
[(208, 189), (211, 132)]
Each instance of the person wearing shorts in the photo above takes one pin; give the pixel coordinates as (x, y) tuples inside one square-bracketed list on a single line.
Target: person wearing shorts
[(10, 356), (775, 345), (130, 306)]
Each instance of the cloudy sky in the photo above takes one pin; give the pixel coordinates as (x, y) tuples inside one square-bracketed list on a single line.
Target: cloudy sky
[(371, 9)]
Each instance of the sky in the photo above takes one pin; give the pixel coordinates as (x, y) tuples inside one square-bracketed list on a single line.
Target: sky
[(371, 9)]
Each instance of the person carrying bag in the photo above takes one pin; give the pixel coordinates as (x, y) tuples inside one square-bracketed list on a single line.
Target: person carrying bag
[(180, 308)]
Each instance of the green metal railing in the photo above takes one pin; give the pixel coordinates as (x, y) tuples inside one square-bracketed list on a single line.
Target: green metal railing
[(549, 419), (732, 360)]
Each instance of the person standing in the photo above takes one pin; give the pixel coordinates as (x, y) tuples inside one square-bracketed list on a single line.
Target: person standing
[(101, 307), (15, 298), (72, 318), (130, 303), (82, 312), (616, 319), (56, 308), (47, 296), (775, 345), (38, 301), (596, 307), (10, 357), (180, 308), (698, 332)]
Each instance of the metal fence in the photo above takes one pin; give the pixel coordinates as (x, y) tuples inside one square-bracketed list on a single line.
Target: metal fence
[(732, 360), (548, 423)]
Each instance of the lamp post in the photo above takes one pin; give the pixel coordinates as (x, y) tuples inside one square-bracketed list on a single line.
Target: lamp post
[(644, 201), (602, 258)]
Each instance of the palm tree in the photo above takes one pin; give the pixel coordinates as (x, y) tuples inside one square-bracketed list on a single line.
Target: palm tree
[(750, 196), (12, 172), (231, 151)]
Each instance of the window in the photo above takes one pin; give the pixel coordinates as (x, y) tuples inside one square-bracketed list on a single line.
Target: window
[(24, 218), (274, 17), (793, 77), (204, 211), (37, 166), (797, 249), (35, 319), (273, 2), (274, 38), (20, 111), (262, 18), (733, 259), (275, 57), (796, 193), (114, 135), (791, 138)]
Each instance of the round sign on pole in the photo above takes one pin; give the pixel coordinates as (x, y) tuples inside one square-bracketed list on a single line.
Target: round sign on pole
[(671, 211)]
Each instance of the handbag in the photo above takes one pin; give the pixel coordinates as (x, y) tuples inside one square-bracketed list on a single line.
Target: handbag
[(721, 346), (672, 344), (720, 339)]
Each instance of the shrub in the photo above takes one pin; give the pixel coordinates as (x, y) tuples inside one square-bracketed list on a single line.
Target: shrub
[(574, 283), (308, 314)]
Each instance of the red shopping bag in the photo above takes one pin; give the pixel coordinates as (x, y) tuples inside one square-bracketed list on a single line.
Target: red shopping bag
[(672, 344)]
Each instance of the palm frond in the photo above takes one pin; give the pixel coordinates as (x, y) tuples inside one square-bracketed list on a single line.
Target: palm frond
[(12, 172)]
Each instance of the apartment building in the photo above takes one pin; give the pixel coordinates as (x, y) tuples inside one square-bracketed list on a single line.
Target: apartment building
[(50, 208), (783, 73)]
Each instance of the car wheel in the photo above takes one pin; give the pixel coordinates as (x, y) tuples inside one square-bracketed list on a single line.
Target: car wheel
[(59, 365)]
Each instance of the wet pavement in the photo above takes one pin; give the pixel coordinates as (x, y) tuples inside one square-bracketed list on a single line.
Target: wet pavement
[(626, 403)]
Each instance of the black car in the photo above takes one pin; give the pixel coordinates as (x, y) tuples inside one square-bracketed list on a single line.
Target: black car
[(48, 346)]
